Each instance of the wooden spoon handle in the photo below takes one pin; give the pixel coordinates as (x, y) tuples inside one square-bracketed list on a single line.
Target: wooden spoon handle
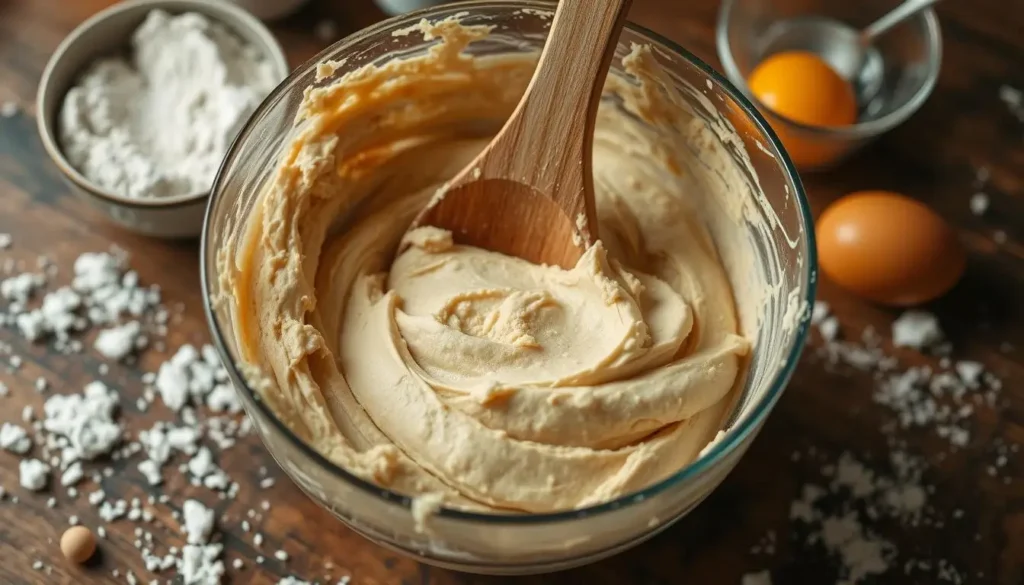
[(557, 112), (530, 192)]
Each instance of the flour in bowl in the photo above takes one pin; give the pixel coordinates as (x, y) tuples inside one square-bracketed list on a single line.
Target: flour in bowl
[(158, 123)]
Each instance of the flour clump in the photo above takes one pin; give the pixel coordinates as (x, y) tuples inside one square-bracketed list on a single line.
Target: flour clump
[(159, 123)]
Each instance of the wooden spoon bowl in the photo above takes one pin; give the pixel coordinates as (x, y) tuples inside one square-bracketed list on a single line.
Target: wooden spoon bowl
[(530, 193)]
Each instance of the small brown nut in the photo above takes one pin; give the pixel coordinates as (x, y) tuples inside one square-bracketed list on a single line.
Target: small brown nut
[(78, 544)]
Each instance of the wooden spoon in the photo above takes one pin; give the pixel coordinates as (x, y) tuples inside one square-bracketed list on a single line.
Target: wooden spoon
[(530, 193)]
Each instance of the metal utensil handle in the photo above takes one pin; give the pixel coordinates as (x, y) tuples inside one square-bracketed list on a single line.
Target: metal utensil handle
[(898, 15)]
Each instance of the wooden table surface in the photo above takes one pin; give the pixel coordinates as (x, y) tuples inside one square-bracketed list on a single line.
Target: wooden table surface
[(825, 412)]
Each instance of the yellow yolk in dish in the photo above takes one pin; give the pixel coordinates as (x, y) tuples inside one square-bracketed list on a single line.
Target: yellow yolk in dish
[(802, 87)]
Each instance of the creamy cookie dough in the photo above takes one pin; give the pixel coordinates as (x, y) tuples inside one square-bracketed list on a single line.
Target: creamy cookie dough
[(482, 380)]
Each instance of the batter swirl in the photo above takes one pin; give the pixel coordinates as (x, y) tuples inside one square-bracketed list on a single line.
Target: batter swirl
[(496, 383)]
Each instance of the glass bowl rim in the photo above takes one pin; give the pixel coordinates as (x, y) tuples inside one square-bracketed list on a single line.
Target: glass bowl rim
[(858, 130), (708, 459)]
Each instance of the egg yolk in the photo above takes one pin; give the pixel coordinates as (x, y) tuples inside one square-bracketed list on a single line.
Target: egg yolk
[(802, 87)]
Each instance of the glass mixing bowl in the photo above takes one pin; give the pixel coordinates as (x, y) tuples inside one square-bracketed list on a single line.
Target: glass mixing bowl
[(782, 260)]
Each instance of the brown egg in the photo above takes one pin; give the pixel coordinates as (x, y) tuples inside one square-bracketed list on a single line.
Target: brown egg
[(78, 544), (888, 248)]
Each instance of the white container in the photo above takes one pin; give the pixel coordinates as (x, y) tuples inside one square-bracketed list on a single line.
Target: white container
[(108, 32)]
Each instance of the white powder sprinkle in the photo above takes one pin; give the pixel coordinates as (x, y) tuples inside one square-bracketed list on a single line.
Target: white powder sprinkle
[(96, 498), (197, 522), (14, 439), (85, 420), (829, 328), (1013, 99), (72, 475), (33, 474), (21, 287), (854, 505), (979, 203), (151, 471), (761, 578), (200, 565), (223, 398), (201, 464), (119, 341), (970, 372), (80, 436), (189, 376), (125, 127), (917, 330)]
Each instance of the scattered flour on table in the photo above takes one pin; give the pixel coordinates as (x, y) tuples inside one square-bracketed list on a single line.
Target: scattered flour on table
[(72, 444), (159, 124), (14, 439), (120, 341), (917, 330), (979, 203), (942, 396), (847, 510), (759, 578), (1014, 100)]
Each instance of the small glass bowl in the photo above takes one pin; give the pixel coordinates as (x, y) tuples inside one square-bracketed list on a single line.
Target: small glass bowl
[(778, 239), (908, 59)]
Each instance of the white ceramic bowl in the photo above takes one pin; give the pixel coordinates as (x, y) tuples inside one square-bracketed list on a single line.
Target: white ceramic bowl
[(104, 34)]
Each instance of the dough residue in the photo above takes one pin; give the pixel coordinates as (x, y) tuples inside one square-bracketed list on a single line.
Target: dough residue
[(486, 381)]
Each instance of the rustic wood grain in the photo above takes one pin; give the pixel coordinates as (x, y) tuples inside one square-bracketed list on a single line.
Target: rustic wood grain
[(933, 157)]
